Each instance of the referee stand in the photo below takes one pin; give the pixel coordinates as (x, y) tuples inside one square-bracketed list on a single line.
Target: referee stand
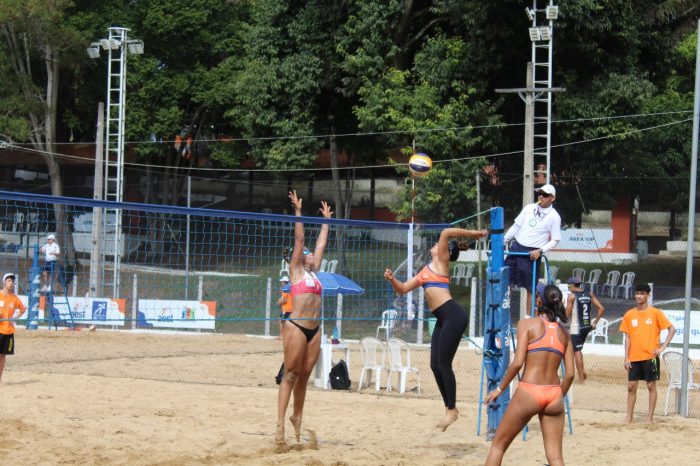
[(57, 308)]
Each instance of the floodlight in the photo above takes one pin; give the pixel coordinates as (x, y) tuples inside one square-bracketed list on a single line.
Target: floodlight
[(109, 44), (93, 51), (545, 32), (135, 47), (535, 34), (552, 12), (530, 14)]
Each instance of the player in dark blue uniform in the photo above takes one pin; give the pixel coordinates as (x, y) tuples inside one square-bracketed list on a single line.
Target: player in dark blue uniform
[(578, 312)]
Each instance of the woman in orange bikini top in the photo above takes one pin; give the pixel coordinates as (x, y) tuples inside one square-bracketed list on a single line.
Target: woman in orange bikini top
[(540, 391)]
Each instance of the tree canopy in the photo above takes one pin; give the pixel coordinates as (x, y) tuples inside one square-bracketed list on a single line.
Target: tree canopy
[(280, 80)]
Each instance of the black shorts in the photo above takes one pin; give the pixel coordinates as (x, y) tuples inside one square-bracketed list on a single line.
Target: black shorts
[(7, 343), (579, 339), (648, 370), (49, 266), (521, 266)]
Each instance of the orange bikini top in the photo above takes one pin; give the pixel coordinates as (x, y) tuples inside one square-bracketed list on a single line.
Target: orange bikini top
[(549, 341), (427, 278)]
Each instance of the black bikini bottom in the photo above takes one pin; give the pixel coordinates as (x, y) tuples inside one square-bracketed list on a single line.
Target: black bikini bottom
[(308, 332)]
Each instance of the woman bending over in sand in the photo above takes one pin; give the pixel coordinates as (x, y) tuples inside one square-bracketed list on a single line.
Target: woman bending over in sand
[(300, 337)]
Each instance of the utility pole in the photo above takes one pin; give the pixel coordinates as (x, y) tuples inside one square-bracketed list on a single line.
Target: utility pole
[(538, 100), (96, 275), (529, 95), (529, 144)]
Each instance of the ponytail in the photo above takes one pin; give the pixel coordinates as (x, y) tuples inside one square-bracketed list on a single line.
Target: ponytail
[(552, 304), (455, 247)]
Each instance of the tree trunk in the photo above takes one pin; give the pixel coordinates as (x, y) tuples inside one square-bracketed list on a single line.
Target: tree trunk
[(63, 230)]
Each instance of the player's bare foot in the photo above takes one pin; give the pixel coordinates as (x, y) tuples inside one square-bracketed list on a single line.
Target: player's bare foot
[(279, 435), (296, 422), (450, 417)]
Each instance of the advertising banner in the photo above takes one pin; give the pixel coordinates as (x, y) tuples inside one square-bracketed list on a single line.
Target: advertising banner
[(676, 318), (585, 239), (85, 311), (179, 314)]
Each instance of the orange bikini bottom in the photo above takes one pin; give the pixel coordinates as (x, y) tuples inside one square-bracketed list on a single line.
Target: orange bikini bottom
[(543, 394)]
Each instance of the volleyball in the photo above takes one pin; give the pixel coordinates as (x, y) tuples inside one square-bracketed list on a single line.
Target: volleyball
[(420, 164)]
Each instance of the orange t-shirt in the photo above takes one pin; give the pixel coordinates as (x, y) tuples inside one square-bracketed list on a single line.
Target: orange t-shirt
[(288, 305), (643, 328), (9, 303)]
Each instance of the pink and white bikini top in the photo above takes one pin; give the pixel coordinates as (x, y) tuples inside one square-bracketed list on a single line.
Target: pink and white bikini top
[(308, 284)]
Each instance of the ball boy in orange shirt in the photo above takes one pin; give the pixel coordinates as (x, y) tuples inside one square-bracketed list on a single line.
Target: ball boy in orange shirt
[(642, 326), (9, 304)]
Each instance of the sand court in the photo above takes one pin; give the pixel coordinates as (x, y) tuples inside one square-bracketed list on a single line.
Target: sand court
[(118, 398)]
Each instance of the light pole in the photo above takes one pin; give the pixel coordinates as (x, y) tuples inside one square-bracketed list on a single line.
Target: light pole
[(542, 38), (118, 46), (538, 100)]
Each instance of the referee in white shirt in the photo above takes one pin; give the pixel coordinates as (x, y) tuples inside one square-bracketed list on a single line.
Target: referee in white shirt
[(536, 230), (51, 252)]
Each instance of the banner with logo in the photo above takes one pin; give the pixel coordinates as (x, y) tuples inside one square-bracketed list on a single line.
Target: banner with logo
[(85, 311), (677, 319), (585, 239), (179, 314)]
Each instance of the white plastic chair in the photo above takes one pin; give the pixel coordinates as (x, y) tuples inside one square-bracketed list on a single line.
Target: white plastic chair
[(388, 321), (332, 265), (673, 360), (463, 272), (593, 279), (468, 274), (373, 358), (611, 283), (400, 362), (18, 222), (458, 272), (324, 263), (579, 273), (600, 330), (626, 284), (284, 268), (553, 270)]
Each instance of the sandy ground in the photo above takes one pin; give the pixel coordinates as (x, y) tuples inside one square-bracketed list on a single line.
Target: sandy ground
[(90, 398)]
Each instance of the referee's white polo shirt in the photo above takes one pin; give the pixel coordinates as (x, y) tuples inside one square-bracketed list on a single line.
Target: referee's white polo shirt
[(536, 226)]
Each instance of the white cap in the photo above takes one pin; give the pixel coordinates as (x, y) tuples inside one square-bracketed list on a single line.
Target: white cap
[(7, 275), (547, 189), (51, 236)]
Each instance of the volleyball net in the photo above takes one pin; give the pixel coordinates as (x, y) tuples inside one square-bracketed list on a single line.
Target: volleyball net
[(176, 268), (189, 294)]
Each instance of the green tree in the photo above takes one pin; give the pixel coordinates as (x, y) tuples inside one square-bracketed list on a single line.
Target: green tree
[(40, 42)]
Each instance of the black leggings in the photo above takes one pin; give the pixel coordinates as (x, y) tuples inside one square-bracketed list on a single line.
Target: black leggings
[(450, 326)]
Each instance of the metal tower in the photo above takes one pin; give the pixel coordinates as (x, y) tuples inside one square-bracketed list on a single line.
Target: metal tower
[(118, 47), (542, 37)]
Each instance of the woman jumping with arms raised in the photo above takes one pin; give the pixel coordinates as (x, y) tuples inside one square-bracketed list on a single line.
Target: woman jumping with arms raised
[(451, 318), (300, 338)]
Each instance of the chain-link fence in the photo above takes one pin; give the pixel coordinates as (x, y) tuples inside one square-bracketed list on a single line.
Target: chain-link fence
[(193, 299)]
